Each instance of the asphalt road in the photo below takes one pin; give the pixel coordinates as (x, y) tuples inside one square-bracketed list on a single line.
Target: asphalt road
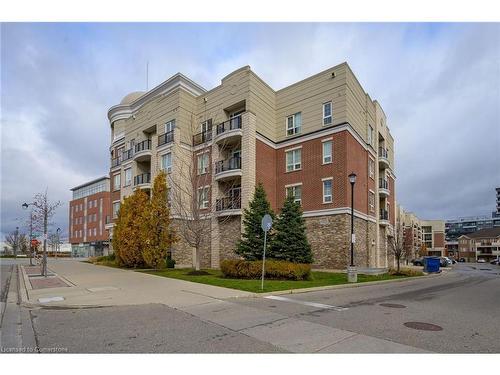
[(463, 304)]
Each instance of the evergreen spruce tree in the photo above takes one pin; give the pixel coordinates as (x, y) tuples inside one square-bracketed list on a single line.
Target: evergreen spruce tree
[(290, 240), (157, 232), (251, 245), (127, 236)]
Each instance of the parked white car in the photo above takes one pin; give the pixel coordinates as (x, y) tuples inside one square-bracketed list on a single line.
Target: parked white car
[(481, 260), (448, 260)]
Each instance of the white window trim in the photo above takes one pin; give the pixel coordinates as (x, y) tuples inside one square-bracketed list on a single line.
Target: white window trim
[(331, 113), (125, 177), (372, 176), (374, 202), (294, 127), (202, 207), (167, 122), (161, 161), (293, 164), (331, 195), (113, 209), (322, 151), (205, 168), (115, 188), (291, 186)]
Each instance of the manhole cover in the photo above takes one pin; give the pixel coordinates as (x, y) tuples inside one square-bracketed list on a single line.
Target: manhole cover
[(423, 326), (393, 305)]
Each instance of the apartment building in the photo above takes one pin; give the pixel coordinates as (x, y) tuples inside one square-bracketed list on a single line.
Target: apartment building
[(420, 233), (482, 244), (304, 139), (89, 211)]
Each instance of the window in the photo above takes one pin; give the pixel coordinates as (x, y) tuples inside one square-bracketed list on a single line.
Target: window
[(203, 197), (166, 162), (95, 231), (128, 176), (370, 135), (293, 124), (327, 113), (293, 159), (203, 163), (116, 208), (295, 191), (371, 168), (169, 126), (116, 181), (327, 152), (81, 206), (327, 190), (371, 201)]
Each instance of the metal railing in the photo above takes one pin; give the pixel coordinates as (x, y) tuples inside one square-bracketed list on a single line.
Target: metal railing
[(231, 124), (383, 184), (144, 178), (116, 162), (382, 152), (228, 203), (168, 137), (127, 154), (384, 215), (228, 165), (202, 137), (143, 146)]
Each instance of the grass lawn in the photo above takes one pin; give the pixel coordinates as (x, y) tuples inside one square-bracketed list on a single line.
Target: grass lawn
[(215, 278)]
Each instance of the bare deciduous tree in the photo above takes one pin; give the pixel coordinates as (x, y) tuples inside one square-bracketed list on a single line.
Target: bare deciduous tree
[(397, 243)]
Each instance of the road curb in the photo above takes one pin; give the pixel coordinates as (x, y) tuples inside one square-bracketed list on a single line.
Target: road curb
[(343, 286)]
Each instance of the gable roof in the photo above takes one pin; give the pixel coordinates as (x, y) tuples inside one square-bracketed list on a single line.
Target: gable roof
[(484, 233)]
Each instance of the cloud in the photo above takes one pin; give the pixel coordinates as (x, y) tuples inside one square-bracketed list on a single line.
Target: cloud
[(438, 84)]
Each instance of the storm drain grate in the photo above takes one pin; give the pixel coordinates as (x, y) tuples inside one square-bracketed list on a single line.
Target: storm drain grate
[(393, 305), (423, 326)]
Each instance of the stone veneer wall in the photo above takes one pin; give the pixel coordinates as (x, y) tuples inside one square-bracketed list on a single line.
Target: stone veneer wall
[(183, 253), (230, 233)]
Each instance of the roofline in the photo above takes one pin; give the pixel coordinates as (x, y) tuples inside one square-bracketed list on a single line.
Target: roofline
[(90, 182)]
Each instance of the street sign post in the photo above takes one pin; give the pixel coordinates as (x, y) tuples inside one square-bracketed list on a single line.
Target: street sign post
[(266, 225)]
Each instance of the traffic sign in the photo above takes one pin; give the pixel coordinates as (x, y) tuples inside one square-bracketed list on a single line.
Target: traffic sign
[(266, 223)]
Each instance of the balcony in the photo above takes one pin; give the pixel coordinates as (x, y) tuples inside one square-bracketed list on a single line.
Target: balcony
[(202, 137), (142, 180), (228, 206), (166, 138), (229, 131), (383, 159), (142, 150), (383, 187), (127, 155), (228, 169), (115, 162), (384, 218)]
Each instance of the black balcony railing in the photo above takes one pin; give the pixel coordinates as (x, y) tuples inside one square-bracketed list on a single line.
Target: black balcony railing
[(228, 165), (382, 152), (127, 154), (143, 146), (168, 137), (144, 178), (231, 124), (228, 203), (116, 162), (202, 137), (383, 184), (384, 215)]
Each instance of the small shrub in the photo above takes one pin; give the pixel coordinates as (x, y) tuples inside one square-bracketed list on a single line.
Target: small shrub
[(275, 270), (405, 272)]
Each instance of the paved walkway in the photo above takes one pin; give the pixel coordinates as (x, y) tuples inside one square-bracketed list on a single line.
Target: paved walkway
[(92, 285)]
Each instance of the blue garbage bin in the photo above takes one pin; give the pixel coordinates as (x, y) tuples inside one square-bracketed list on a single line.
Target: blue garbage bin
[(431, 264)]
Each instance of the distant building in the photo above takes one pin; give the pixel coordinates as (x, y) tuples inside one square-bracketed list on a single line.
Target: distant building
[(88, 213), (497, 212), (482, 244)]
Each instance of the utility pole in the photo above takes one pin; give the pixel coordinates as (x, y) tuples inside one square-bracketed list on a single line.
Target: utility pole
[(16, 241)]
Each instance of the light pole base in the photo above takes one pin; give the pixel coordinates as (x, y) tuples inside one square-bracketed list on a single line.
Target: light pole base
[(352, 274)]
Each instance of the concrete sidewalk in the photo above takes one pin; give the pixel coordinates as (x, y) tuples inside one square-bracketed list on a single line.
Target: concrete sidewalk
[(91, 285)]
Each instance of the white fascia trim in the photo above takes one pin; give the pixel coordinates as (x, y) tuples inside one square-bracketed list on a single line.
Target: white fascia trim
[(292, 185), (327, 139), (339, 211), (327, 178), (117, 201)]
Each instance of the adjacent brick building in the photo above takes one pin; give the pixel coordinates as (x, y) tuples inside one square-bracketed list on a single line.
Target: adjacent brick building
[(482, 244), (304, 139), (89, 211)]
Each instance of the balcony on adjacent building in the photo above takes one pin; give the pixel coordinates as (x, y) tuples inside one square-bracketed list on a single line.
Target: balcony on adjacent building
[(383, 158), (229, 205), (142, 180), (166, 138), (383, 187), (384, 217), (142, 150), (229, 131), (203, 137), (115, 162), (228, 169), (127, 154)]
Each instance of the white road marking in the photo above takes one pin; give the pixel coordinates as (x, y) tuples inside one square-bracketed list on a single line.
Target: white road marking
[(306, 303), (50, 299)]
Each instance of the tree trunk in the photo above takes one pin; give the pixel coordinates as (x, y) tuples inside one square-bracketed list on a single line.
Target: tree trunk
[(398, 264), (197, 261)]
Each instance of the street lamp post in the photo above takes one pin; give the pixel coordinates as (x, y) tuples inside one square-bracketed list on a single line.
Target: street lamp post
[(352, 275), (16, 241), (57, 244), (31, 238)]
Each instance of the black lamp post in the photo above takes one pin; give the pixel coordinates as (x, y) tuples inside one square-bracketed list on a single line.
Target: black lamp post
[(352, 274), (57, 244)]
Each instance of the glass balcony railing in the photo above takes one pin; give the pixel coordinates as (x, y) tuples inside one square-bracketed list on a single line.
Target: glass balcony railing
[(143, 146), (384, 215), (228, 165), (383, 184), (168, 137), (202, 137), (127, 154), (116, 162), (382, 152), (231, 124), (228, 203), (144, 178)]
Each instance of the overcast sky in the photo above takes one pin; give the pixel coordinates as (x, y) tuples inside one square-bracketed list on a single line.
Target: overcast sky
[(439, 85)]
